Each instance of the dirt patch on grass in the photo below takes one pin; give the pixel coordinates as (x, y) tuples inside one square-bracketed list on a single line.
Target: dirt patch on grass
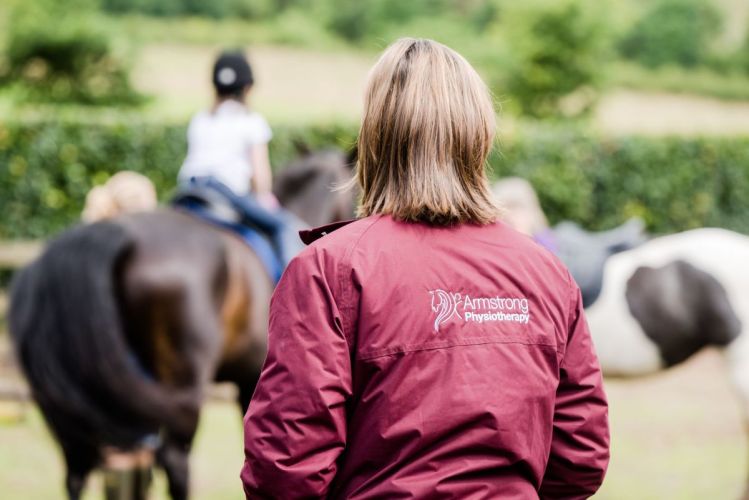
[(291, 84), (295, 85), (630, 112)]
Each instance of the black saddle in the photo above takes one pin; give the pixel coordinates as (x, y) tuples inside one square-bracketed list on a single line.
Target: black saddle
[(209, 201), (585, 252)]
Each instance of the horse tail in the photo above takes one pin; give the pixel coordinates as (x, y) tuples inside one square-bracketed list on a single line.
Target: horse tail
[(65, 323)]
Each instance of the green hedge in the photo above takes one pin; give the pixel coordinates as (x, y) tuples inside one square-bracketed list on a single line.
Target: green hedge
[(673, 183), (46, 169)]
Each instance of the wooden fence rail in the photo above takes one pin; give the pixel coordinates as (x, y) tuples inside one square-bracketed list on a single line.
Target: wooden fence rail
[(15, 254)]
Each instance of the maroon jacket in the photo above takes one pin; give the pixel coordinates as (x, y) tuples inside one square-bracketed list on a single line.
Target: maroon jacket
[(409, 361)]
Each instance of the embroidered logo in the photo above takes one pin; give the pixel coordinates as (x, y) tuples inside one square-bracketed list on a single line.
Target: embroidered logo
[(448, 305), (445, 304)]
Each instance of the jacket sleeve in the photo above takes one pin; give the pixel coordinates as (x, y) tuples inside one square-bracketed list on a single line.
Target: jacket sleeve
[(580, 442), (295, 427)]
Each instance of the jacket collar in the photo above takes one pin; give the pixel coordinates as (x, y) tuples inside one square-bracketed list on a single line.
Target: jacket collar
[(309, 236)]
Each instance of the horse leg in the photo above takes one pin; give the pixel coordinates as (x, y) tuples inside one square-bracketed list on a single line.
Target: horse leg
[(737, 356), (173, 457), (198, 353), (175, 446), (245, 319), (245, 391), (75, 480), (144, 473), (80, 460)]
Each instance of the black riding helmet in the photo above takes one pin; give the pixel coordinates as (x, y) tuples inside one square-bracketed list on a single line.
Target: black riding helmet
[(231, 73)]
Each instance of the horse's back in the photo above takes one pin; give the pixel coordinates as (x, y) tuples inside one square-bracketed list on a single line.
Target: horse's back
[(699, 245), (715, 253), (718, 252), (168, 234), (174, 249)]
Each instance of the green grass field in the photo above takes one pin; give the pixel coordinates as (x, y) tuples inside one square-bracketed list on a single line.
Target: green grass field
[(675, 436), (30, 466)]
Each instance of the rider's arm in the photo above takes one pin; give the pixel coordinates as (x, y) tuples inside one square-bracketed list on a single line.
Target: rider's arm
[(262, 179), (261, 182)]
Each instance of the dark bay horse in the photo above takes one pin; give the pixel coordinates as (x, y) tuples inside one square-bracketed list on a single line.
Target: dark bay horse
[(121, 326)]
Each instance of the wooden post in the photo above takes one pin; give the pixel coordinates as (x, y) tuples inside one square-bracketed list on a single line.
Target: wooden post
[(15, 254)]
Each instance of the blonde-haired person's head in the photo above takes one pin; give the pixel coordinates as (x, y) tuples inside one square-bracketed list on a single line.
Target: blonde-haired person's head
[(427, 129)]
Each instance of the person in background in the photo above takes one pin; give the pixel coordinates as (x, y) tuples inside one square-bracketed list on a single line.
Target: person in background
[(426, 350), (227, 149), (124, 192)]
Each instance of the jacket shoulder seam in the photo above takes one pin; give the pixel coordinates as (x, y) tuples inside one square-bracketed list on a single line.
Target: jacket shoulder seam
[(346, 289)]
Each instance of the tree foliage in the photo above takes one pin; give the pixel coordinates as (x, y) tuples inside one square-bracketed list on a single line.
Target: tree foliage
[(56, 50), (558, 48), (673, 32)]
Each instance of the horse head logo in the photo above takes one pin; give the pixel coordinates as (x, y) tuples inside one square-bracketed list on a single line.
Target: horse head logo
[(445, 304)]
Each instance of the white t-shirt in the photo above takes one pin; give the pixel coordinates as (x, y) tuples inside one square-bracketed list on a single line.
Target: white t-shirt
[(219, 144)]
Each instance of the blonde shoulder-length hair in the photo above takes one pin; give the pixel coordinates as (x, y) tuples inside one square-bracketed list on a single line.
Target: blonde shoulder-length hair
[(427, 129)]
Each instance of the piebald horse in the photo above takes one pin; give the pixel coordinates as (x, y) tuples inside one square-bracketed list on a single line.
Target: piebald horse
[(120, 326), (665, 300)]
